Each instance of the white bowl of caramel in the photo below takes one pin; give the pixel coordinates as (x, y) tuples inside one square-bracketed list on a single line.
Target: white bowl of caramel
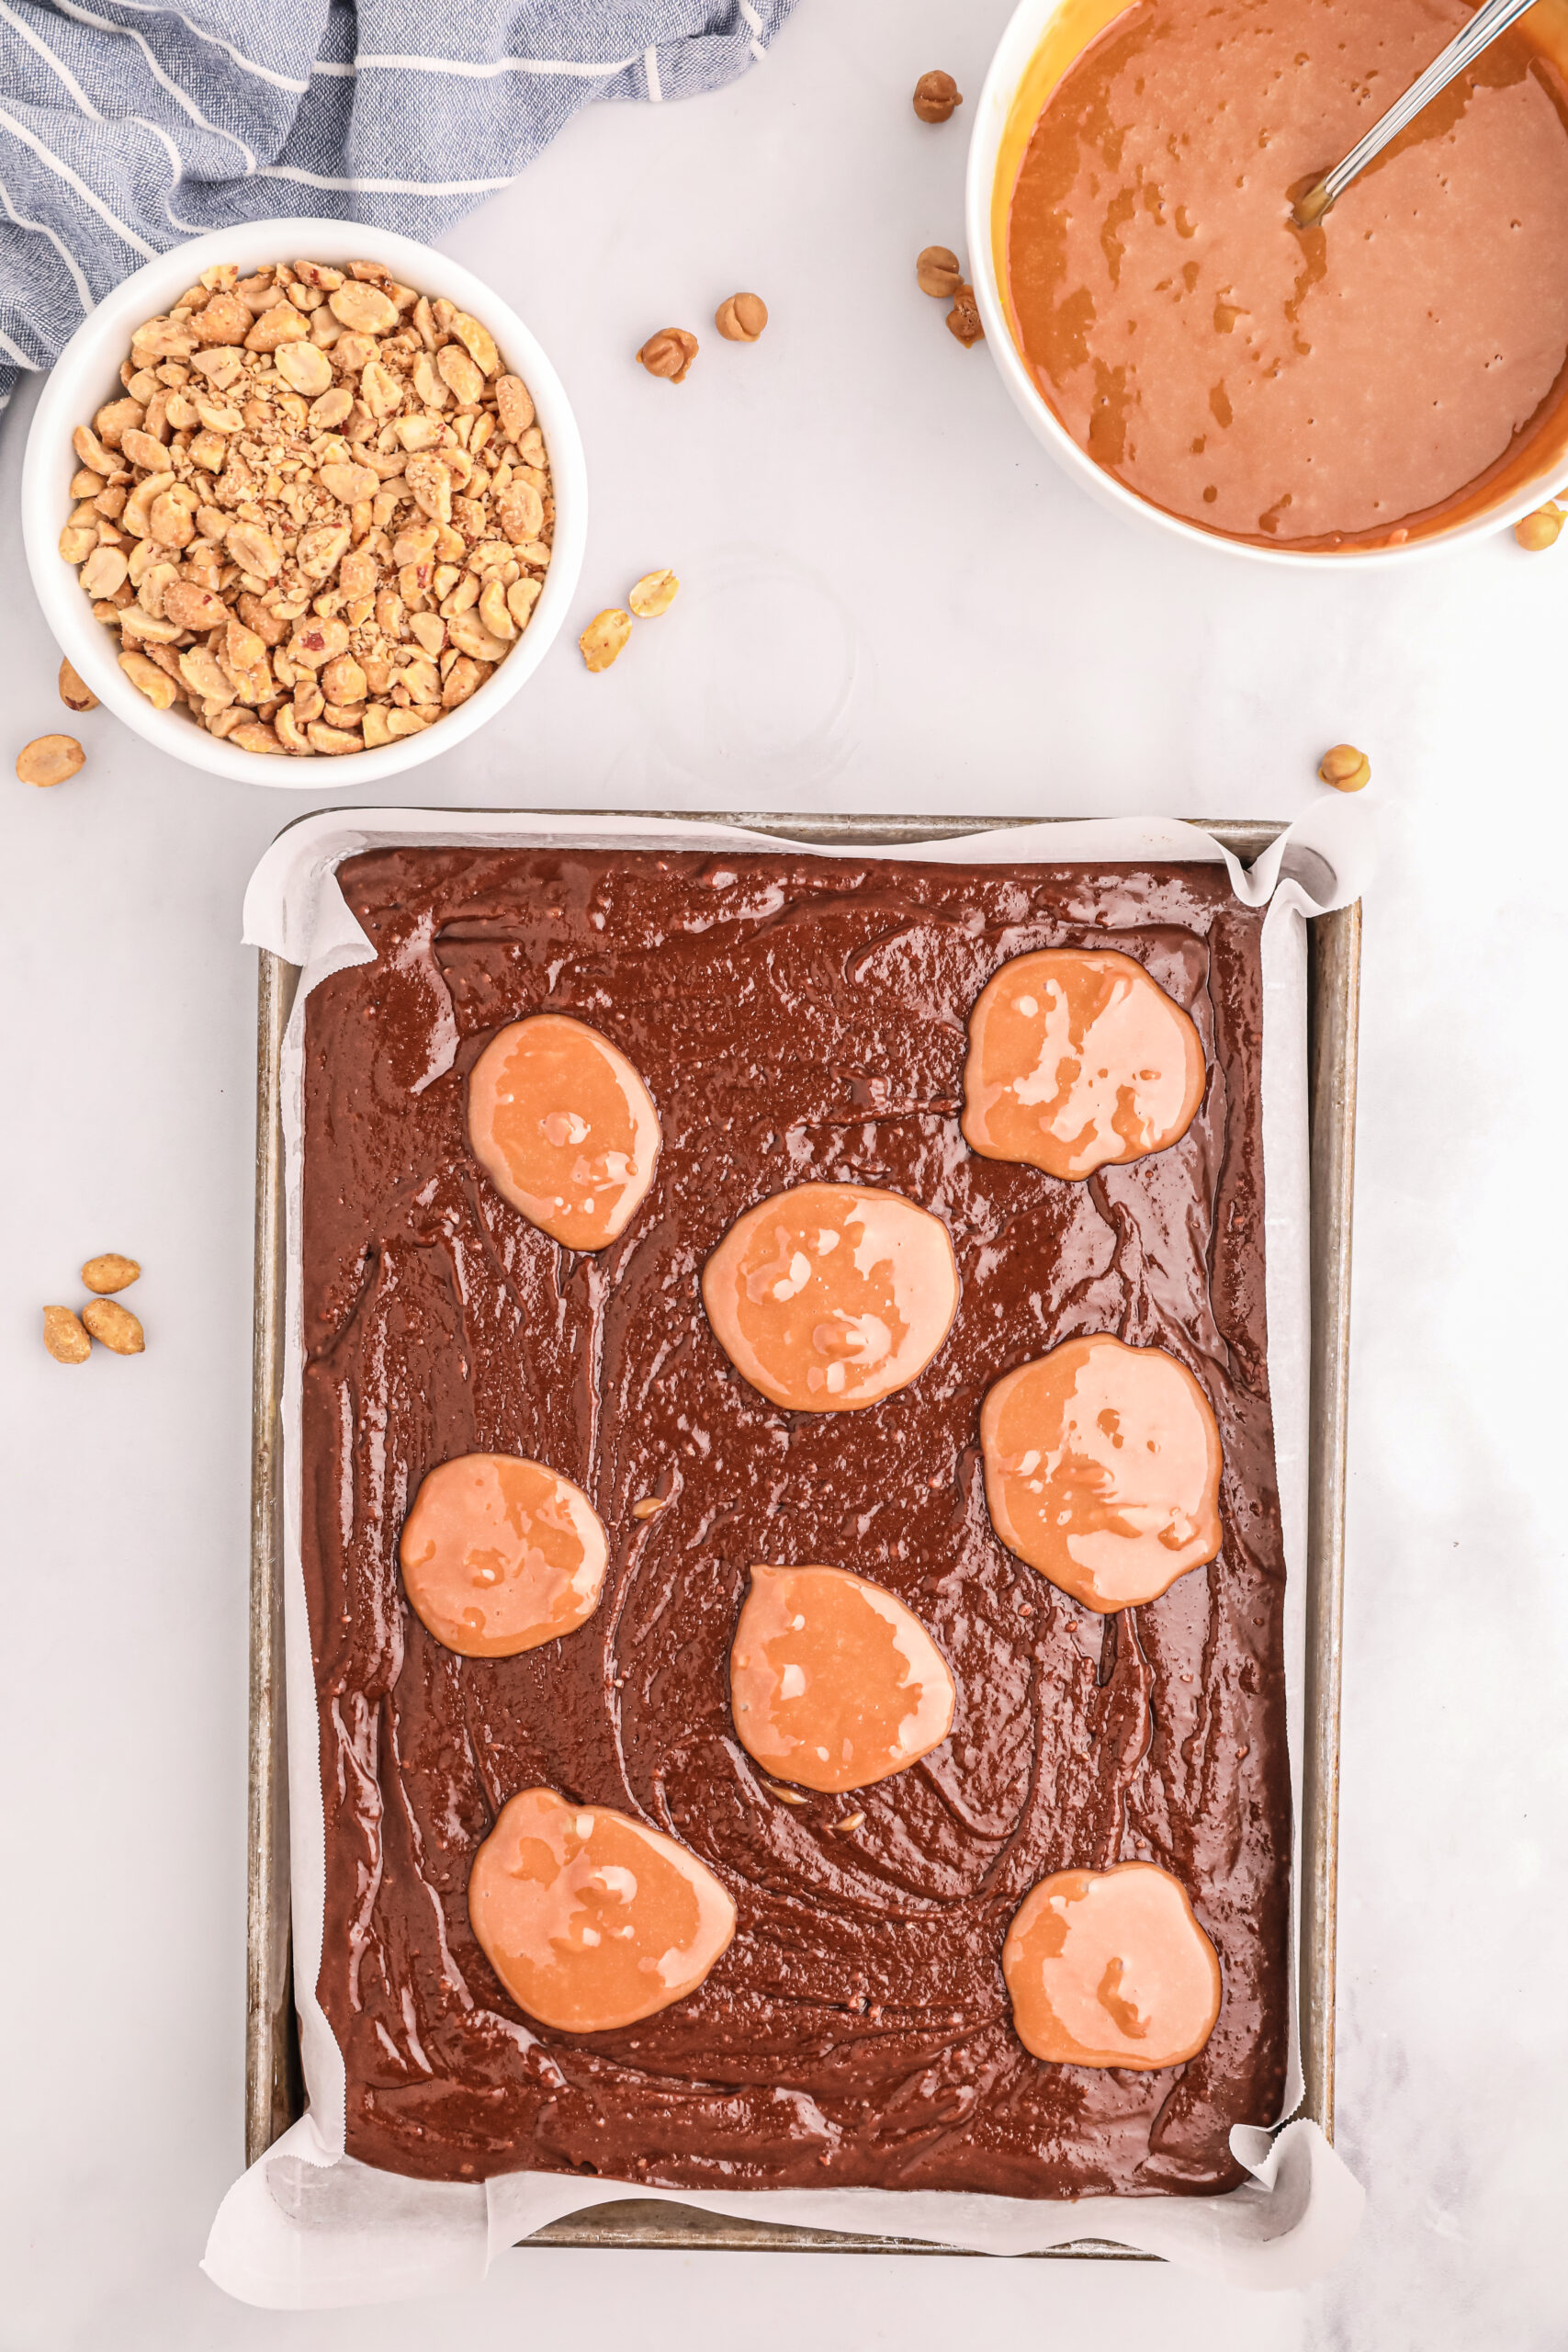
[(1392, 381)]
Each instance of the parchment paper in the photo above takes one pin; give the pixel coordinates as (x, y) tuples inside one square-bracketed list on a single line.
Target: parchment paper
[(308, 2226)]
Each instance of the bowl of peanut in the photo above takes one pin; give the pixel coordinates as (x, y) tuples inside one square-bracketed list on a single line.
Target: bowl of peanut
[(280, 510)]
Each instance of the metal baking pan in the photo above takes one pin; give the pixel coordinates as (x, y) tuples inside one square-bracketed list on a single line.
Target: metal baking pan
[(274, 2084)]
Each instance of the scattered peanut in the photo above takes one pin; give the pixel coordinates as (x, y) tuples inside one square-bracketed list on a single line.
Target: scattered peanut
[(604, 636), (742, 317), (646, 1506), (669, 354), (246, 510), (49, 759), (114, 1326), (654, 594), (850, 1821), (1539, 531), (786, 1796), (964, 318), (74, 693), (110, 1272), (936, 95), (937, 272), (64, 1336), (1345, 768)]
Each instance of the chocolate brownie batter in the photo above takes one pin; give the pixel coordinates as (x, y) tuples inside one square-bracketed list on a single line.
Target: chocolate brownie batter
[(795, 1018)]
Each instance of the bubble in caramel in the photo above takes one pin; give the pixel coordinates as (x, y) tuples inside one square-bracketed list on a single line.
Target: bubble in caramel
[(1102, 1470), (564, 1128), (1077, 1060), (830, 1296), (1111, 1968), (500, 1553), (589, 1920), (832, 1682)]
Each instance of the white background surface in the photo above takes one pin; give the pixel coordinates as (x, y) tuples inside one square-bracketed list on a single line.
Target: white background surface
[(891, 602)]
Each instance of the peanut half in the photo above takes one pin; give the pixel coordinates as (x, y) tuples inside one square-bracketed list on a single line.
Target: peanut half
[(605, 637), (654, 594), (74, 693), (110, 1272), (64, 1336), (115, 1326), (49, 759)]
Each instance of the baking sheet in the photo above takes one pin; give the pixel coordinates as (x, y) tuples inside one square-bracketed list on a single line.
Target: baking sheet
[(309, 2225)]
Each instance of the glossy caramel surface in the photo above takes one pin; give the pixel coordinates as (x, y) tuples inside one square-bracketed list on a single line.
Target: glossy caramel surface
[(833, 1683), (1111, 1968), (498, 1554)]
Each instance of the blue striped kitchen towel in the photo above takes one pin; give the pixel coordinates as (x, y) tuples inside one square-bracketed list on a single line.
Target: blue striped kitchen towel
[(131, 124)]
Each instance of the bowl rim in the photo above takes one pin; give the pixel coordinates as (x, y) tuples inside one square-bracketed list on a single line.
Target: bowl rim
[(75, 388), (1019, 38)]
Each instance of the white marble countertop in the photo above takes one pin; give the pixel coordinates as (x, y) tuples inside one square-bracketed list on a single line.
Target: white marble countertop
[(892, 601)]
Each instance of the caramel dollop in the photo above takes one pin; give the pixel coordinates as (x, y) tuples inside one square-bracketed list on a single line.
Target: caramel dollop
[(1102, 1470), (591, 1919), (564, 1128), (832, 1682), (832, 1295), (500, 1553), (1111, 1968), (1078, 1060)]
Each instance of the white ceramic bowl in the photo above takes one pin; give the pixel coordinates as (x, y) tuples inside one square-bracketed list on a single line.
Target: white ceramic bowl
[(86, 373), (1030, 24)]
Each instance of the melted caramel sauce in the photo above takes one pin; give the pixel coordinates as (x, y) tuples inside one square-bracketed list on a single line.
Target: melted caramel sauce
[(1111, 1968), (1077, 1061), (500, 1553), (1353, 385), (830, 1297), (564, 1128), (1102, 1470), (832, 1682), (591, 1919)]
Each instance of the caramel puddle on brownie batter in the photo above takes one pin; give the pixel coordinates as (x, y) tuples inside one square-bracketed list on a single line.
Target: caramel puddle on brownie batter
[(1350, 385)]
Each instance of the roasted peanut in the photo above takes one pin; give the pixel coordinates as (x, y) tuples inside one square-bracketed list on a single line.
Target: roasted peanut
[(109, 1272), (49, 759), (937, 272), (653, 594), (742, 317), (604, 636), (114, 1327), (936, 95), (1539, 531), (964, 318), (74, 693), (670, 354), (1345, 768), (65, 1336)]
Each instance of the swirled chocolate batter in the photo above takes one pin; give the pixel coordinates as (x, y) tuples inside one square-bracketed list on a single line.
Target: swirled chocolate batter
[(1352, 385), (796, 1020)]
